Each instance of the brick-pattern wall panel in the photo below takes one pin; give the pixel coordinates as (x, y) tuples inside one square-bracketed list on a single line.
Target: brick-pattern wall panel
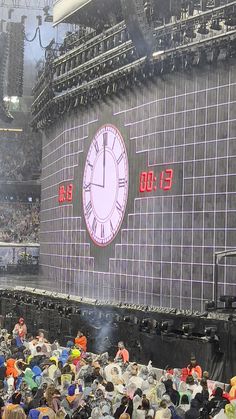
[(163, 254)]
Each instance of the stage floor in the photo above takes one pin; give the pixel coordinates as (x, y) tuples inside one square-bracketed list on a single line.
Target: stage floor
[(32, 281)]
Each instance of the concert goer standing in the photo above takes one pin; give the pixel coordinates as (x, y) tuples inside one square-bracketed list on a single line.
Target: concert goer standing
[(20, 329), (122, 353), (194, 367)]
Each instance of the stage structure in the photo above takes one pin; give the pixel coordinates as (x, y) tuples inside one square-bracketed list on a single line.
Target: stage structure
[(139, 158), (164, 336)]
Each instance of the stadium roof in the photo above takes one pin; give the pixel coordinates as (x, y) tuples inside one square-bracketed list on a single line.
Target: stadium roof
[(86, 12)]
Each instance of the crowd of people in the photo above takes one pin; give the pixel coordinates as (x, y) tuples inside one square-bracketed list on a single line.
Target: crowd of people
[(20, 159), (19, 222), (40, 379)]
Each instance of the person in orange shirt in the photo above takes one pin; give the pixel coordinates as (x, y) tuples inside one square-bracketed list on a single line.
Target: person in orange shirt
[(81, 341), (122, 353), (194, 367)]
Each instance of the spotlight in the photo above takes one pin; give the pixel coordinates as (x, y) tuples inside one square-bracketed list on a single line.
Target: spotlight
[(127, 319), (228, 300), (203, 29), (210, 305), (187, 328), (77, 311), (210, 332), (190, 33), (51, 305), (230, 21), (215, 25), (40, 20), (146, 325), (68, 310), (167, 326), (60, 308), (35, 302), (47, 16), (28, 300), (43, 304)]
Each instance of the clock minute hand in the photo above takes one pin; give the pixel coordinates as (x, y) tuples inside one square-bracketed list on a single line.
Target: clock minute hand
[(104, 157)]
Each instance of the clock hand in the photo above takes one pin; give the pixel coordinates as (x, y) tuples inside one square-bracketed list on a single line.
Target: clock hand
[(96, 184), (104, 157)]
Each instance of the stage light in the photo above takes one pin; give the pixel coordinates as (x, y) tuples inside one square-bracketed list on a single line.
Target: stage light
[(203, 30), (146, 325), (69, 310), (187, 328), (28, 300), (210, 332), (77, 310), (228, 300), (51, 305), (47, 16), (215, 25), (42, 304), (39, 19), (166, 326), (230, 21), (210, 305), (190, 33)]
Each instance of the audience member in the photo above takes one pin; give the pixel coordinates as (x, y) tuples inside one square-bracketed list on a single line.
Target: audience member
[(40, 379)]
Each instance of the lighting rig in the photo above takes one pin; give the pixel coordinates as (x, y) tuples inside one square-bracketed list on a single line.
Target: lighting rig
[(4, 49), (15, 69), (108, 63)]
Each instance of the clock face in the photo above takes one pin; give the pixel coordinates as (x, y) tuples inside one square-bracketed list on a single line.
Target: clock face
[(105, 185)]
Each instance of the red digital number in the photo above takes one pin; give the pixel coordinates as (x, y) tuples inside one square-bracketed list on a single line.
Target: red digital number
[(69, 192), (150, 178), (143, 182), (166, 179), (146, 181), (61, 194)]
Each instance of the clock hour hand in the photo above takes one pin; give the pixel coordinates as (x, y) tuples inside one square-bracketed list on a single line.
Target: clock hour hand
[(96, 184)]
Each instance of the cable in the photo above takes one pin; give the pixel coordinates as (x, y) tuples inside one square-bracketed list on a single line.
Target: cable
[(31, 40), (40, 40)]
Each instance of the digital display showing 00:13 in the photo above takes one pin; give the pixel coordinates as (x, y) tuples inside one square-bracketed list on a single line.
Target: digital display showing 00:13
[(148, 181)]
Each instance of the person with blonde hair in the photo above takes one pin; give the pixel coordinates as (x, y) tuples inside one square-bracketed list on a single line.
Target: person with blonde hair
[(14, 411), (124, 416)]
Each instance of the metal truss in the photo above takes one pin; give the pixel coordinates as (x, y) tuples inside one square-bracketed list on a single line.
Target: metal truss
[(26, 4)]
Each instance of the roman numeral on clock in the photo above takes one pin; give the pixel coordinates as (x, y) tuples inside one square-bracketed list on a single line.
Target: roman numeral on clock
[(111, 227), (118, 207), (90, 164), (94, 225), (87, 188), (102, 231), (122, 183), (88, 209), (96, 147), (120, 158)]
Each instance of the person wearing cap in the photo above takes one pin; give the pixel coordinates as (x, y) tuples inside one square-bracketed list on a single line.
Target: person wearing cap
[(20, 329), (194, 367), (122, 353)]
